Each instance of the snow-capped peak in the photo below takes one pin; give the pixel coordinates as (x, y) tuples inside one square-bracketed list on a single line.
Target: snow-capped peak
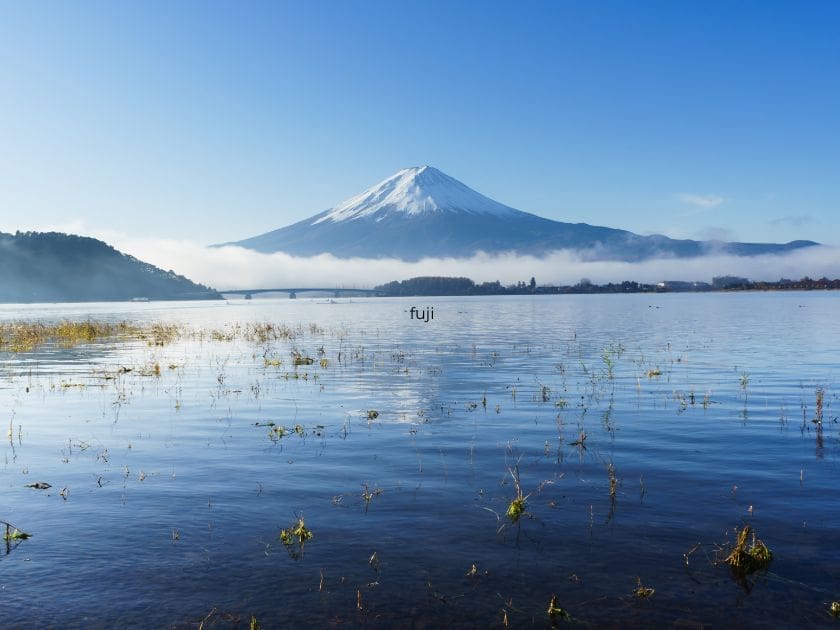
[(413, 191)]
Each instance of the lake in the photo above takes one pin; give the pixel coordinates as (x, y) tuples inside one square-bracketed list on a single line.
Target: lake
[(508, 454)]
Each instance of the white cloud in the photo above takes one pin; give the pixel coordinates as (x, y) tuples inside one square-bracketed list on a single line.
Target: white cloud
[(705, 202), (237, 268)]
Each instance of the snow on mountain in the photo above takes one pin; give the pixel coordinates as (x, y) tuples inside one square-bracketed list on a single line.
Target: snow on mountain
[(421, 212), (412, 191)]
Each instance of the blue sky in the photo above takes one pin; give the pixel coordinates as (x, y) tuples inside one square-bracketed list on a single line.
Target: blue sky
[(215, 121)]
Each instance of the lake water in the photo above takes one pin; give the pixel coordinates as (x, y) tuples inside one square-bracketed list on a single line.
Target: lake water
[(643, 429)]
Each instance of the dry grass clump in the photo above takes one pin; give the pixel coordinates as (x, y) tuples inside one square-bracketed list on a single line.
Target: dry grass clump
[(154, 334), (749, 554), (267, 331), (27, 336)]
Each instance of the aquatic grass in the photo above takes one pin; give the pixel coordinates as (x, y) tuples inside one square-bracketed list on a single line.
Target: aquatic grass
[(555, 611), (818, 415), (297, 533), (217, 618), (545, 393), (613, 479), (518, 505), (13, 533), (19, 337), (278, 431), (744, 383), (642, 592), (749, 554), (369, 495), (581, 441), (609, 356), (294, 538), (13, 536), (265, 332), (608, 362)]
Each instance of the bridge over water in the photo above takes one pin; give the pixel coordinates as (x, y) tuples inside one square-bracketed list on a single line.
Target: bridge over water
[(293, 292)]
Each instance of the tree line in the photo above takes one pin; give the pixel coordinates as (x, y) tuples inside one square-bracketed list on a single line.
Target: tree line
[(443, 285)]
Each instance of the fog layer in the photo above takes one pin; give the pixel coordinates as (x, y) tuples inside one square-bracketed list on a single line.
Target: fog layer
[(233, 267)]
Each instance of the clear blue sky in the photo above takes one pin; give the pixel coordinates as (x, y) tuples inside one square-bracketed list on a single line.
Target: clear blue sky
[(215, 121)]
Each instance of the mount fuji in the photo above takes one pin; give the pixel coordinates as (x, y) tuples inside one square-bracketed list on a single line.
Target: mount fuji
[(421, 212)]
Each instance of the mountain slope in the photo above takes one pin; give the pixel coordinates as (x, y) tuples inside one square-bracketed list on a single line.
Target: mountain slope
[(421, 212), (56, 267)]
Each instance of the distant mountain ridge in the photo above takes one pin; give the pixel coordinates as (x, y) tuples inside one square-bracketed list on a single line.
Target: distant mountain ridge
[(422, 212), (58, 267)]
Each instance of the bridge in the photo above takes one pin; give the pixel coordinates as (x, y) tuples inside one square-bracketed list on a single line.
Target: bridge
[(249, 293)]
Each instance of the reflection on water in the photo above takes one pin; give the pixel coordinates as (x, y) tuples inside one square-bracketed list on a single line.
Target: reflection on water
[(638, 432)]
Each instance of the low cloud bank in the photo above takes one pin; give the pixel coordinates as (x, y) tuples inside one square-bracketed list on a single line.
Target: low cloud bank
[(233, 267)]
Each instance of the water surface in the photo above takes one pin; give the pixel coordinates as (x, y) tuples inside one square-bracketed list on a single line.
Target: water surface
[(169, 489)]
